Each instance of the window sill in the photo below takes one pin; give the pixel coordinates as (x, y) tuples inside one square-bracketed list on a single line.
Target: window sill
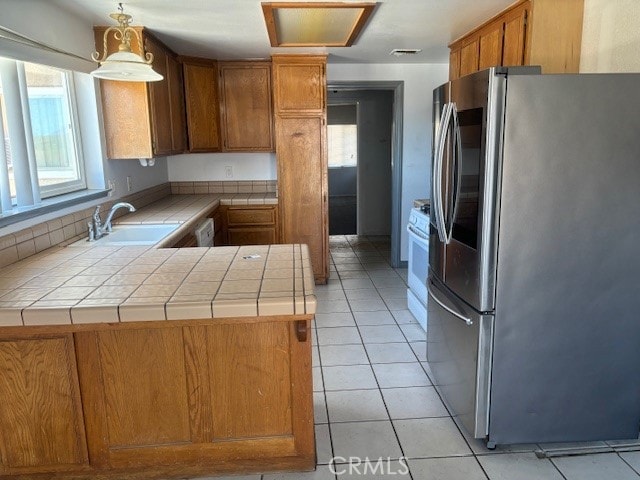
[(49, 205)]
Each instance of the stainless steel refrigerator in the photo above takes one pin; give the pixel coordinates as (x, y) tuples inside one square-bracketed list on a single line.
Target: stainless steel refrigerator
[(534, 270)]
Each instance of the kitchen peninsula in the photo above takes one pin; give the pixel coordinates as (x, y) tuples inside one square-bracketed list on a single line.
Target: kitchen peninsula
[(144, 362)]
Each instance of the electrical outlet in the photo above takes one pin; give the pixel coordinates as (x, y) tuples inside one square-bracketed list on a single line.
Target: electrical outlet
[(111, 185), (129, 184), (228, 171)]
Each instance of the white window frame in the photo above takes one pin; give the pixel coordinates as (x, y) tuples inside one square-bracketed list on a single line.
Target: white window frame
[(30, 163), (343, 164)]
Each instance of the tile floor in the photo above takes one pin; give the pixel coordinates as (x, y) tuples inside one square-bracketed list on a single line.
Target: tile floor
[(373, 396)]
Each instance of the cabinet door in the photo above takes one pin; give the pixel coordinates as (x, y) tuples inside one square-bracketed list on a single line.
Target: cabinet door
[(159, 102), (125, 109), (141, 403), (41, 421), (302, 186), (469, 55), (514, 36), (491, 45), (201, 97), (251, 371), (454, 64), (247, 121), (300, 84), (176, 101)]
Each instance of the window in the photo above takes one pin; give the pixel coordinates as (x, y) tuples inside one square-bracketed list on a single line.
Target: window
[(40, 132), (342, 145)]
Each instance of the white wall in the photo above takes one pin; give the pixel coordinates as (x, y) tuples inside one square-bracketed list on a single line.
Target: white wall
[(211, 166), (419, 82), (610, 36), (44, 21)]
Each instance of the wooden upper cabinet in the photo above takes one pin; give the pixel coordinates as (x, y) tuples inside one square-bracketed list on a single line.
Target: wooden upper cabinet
[(299, 84), (490, 39), (469, 56), (41, 417), (160, 102), (176, 100), (454, 64), (514, 35), (143, 119), (531, 32), (246, 113), (201, 98), (554, 35)]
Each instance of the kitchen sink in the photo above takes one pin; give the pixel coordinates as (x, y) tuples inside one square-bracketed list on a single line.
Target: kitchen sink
[(122, 235)]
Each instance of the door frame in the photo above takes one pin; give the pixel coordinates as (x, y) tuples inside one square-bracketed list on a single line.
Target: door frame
[(356, 104), (397, 87)]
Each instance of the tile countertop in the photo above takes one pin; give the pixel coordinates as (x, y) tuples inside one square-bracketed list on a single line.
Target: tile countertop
[(75, 285), (182, 208), (189, 209)]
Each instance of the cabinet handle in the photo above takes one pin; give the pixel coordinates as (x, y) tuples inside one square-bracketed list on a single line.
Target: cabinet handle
[(301, 330)]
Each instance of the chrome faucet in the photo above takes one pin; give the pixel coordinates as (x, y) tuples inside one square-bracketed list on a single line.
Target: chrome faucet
[(107, 222), (98, 228)]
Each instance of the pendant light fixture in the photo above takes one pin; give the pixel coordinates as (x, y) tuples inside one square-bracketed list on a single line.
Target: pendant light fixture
[(124, 65)]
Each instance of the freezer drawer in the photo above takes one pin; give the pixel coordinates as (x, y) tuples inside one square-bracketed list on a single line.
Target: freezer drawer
[(459, 350)]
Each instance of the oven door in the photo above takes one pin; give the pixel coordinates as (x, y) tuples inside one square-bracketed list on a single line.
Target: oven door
[(418, 265), (465, 180)]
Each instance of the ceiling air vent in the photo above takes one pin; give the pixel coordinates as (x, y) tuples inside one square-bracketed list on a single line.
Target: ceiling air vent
[(399, 52)]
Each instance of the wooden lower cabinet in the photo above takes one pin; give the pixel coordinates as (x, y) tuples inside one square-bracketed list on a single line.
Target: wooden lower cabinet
[(170, 399), (41, 421), (250, 224)]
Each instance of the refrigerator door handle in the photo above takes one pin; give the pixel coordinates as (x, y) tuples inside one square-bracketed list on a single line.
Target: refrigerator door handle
[(456, 155), (437, 173), (448, 308)]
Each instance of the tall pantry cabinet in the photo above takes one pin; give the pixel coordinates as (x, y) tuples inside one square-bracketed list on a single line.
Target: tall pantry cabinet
[(299, 92)]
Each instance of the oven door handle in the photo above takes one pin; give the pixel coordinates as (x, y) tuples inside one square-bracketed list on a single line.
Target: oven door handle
[(437, 173), (448, 308), (412, 230)]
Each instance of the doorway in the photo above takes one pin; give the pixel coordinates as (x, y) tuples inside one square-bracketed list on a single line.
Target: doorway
[(377, 170), (342, 149)]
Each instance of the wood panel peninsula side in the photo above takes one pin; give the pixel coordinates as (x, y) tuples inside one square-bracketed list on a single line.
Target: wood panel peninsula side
[(135, 362)]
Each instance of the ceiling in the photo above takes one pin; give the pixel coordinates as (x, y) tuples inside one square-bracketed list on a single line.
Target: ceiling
[(235, 29)]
